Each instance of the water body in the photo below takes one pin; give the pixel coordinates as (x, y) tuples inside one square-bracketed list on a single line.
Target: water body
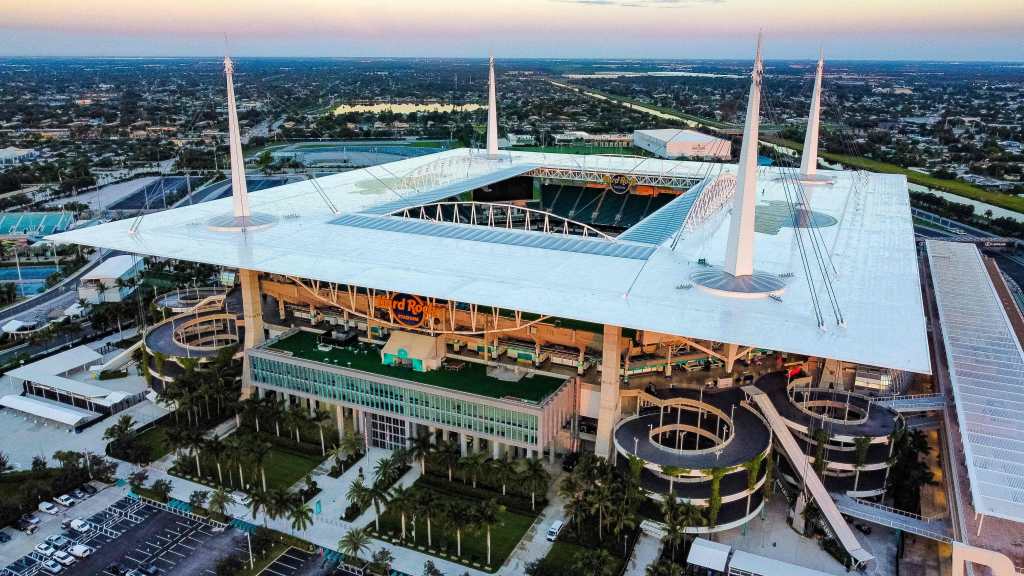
[(405, 108), (33, 278), (613, 75)]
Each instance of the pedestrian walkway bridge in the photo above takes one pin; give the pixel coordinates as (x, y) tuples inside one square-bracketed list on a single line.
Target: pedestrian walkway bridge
[(813, 484), (933, 528), (913, 402)]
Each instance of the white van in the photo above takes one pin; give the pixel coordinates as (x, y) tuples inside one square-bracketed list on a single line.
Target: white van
[(554, 530), (81, 551)]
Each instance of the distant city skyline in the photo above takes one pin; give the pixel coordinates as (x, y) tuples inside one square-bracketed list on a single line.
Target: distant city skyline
[(866, 29)]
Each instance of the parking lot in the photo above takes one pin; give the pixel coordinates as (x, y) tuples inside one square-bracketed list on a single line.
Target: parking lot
[(295, 562), (129, 535)]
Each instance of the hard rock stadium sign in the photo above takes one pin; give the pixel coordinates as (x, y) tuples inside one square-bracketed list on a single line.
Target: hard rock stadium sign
[(407, 311)]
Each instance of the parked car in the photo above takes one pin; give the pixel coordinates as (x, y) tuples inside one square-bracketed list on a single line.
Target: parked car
[(51, 567), (48, 507), (149, 569), (81, 551), (77, 494), (58, 541), (65, 500), (79, 525), (88, 489), (64, 558), (65, 524), (45, 549), (553, 531), (25, 526), (4, 537), (117, 569), (30, 518)]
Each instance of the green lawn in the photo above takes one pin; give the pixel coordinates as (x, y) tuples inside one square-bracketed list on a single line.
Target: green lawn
[(563, 555), (505, 536), (472, 378), (155, 440), (283, 467), (952, 186)]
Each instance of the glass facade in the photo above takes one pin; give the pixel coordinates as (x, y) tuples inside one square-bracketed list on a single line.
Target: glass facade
[(517, 426)]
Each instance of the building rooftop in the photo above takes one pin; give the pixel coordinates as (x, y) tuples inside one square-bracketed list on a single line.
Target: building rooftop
[(112, 268), (677, 135), (865, 231), (471, 378)]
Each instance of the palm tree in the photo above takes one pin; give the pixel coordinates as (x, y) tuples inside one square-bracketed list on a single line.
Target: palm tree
[(261, 501), (594, 563), (456, 515), (473, 465), (677, 516), (258, 452), (354, 542), (534, 477), (301, 515), (280, 503), (501, 472), (448, 454), (195, 442), (219, 500), (238, 455), (423, 505), (599, 501), (487, 514), (353, 443), (421, 448), (401, 501), (385, 471), (121, 430), (572, 490), (216, 449)]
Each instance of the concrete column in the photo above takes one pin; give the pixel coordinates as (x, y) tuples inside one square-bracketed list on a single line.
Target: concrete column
[(478, 444), (730, 357), (463, 448), (495, 449), (252, 307), (339, 415), (609, 406)]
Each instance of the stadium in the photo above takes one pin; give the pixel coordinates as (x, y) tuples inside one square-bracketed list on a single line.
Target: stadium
[(724, 324)]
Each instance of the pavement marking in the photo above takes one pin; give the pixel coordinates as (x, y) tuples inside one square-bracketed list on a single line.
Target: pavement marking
[(267, 569)]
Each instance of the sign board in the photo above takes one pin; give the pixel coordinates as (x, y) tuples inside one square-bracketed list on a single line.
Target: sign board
[(408, 310), (620, 183)]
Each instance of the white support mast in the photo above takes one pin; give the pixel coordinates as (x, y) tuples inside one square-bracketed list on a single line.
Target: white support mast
[(242, 218), (239, 192), (739, 254), (737, 278), (809, 159), (492, 112)]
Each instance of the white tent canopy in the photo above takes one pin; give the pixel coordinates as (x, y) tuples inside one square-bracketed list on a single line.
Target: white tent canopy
[(708, 554), (55, 411)]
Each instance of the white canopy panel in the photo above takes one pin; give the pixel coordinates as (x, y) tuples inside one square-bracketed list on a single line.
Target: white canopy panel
[(870, 242), (708, 554), (746, 563), (54, 411), (986, 368)]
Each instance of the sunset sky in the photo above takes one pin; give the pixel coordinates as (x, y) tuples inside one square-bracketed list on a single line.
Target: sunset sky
[(865, 29)]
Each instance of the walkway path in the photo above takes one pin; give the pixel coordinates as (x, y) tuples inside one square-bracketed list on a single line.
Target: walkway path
[(534, 544), (645, 553)]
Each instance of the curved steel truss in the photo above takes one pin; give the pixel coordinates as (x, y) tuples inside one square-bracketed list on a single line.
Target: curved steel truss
[(711, 199), (449, 317), (500, 215)]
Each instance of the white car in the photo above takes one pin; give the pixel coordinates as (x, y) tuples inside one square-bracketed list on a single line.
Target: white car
[(63, 557), (51, 567), (45, 549), (48, 507), (79, 525), (81, 551), (65, 500)]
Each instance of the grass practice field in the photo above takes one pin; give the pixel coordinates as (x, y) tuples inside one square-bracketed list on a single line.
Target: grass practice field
[(472, 378), (505, 535)]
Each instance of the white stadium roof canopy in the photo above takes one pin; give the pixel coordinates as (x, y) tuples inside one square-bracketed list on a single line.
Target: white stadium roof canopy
[(871, 244), (986, 368)]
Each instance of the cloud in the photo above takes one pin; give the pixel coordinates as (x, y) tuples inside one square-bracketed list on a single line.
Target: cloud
[(640, 3)]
